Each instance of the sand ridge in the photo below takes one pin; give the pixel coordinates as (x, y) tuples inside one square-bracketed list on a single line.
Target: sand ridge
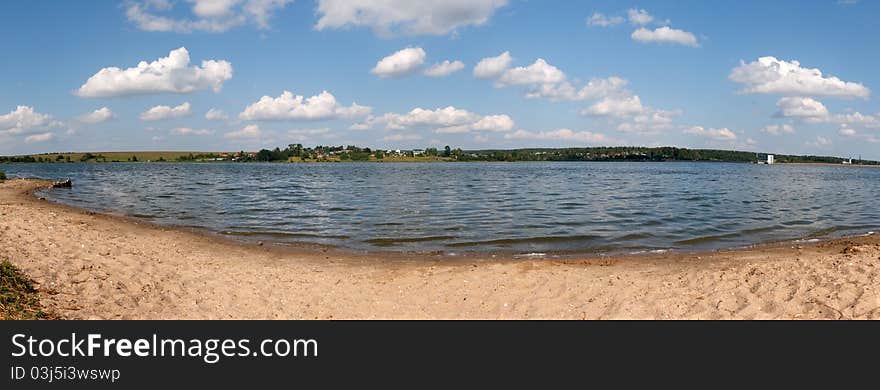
[(94, 266)]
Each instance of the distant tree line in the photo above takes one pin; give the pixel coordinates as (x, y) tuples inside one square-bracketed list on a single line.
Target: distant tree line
[(301, 153), (198, 157), (627, 153), (297, 152)]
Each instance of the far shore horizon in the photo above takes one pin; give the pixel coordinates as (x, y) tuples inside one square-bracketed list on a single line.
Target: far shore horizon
[(320, 153)]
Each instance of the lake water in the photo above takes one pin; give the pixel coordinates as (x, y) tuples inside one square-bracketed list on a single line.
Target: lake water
[(520, 208)]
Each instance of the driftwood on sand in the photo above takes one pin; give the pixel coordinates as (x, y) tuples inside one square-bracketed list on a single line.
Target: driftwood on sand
[(67, 183)]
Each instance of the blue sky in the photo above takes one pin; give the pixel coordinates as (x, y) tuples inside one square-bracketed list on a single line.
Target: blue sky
[(783, 76)]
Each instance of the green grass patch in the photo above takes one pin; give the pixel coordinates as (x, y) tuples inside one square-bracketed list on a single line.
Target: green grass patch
[(18, 297), (415, 159), (2, 176), (112, 156)]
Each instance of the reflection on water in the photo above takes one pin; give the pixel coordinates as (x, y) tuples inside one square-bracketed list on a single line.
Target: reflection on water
[(459, 207)]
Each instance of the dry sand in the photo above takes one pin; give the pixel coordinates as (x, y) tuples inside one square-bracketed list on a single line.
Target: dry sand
[(96, 266)]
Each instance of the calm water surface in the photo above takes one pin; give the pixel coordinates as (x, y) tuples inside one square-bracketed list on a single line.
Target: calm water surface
[(464, 207)]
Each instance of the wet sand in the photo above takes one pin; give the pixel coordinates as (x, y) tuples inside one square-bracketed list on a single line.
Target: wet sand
[(96, 266)]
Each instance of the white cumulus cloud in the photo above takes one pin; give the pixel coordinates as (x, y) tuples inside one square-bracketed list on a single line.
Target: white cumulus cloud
[(402, 63), (859, 120), (600, 20), (594, 89), (388, 17), (191, 131), (720, 134), (208, 15), (645, 34), (543, 80), (100, 115), (420, 117), (665, 34), (172, 74), (802, 108), (158, 113), (539, 73), (299, 108), (491, 123), (303, 132), (778, 129), (847, 131), (564, 134), (819, 142), (24, 119), (633, 117), (494, 123), (649, 122), (492, 67), (216, 115), (401, 137), (444, 68), (768, 75), (616, 107), (639, 16), (43, 137), (444, 120), (249, 131)]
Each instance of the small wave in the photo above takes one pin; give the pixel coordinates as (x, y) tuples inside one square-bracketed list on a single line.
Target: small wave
[(823, 232), (388, 224), (652, 251), (799, 222), (705, 239), (530, 240), (533, 255), (721, 237), (403, 240), (283, 235), (635, 236), (341, 209), (855, 229)]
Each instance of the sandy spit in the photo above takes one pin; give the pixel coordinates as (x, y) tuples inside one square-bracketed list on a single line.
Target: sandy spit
[(91, 266)]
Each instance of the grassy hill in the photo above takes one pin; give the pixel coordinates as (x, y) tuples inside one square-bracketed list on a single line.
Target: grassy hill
[(113, 156)]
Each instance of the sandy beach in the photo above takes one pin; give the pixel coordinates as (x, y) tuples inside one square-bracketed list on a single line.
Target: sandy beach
[(90, 266)]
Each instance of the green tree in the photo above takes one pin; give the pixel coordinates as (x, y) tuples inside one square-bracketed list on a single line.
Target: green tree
[(264, 155)]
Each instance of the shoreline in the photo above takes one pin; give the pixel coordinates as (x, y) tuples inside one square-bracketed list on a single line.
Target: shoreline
[(830, 165), (90, 265), (445, 254)]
